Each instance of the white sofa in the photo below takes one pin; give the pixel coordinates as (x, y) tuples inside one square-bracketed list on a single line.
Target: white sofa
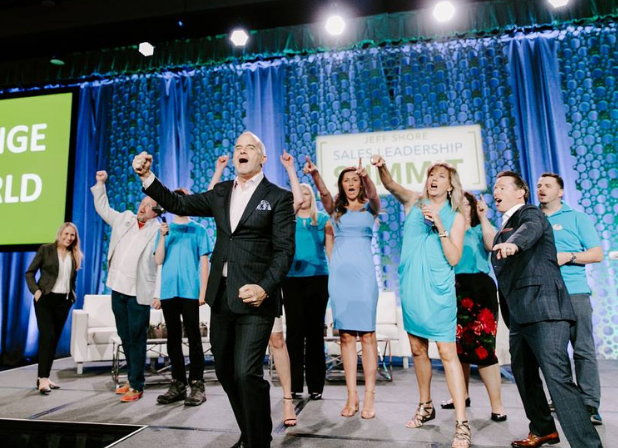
[(94, 326)]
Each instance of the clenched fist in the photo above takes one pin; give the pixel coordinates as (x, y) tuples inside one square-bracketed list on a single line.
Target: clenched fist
[(142, 164), (101, 177)]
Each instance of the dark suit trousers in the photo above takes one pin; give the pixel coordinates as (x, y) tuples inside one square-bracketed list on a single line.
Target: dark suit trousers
[(544, 345), (305, 300), (51, 312), (239, 344)]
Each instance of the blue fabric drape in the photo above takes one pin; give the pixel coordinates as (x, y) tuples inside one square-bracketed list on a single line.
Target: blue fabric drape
[(266, 114), (541, 125)]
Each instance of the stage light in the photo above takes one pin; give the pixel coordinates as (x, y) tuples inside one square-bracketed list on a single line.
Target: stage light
[(55, 60), (335, 25), (558, 3), (444, 11), (146, 49), (239, 38)]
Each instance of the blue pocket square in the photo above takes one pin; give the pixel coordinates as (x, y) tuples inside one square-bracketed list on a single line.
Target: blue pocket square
[(264, 205)]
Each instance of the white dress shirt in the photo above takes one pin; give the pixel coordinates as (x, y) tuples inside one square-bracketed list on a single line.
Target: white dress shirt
[(510, 212), (63, 281)]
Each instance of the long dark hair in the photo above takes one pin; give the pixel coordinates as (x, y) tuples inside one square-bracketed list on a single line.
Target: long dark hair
[(341, 201), (474, 215)]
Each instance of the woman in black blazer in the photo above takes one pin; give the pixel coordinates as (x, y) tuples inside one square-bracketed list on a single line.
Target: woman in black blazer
[(54, 294)]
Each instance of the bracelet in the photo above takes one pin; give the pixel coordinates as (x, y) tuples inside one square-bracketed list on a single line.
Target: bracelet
[(443, 234)]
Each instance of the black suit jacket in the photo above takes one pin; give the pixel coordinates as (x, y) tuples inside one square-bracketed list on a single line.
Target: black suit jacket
[(46, 260), (530, 281), (260, 250)]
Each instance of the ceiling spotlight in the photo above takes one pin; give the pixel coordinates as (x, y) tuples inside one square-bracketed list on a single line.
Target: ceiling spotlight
[(444, 11), (55, 60), (335, 25), (146, 49), (558, 3), (239, 38)]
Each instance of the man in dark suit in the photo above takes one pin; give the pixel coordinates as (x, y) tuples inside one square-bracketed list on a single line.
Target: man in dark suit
[(541, 315), (253, 253)]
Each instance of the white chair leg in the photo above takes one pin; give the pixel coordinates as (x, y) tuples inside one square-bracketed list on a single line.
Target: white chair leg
[(80, 368), (406, 362)]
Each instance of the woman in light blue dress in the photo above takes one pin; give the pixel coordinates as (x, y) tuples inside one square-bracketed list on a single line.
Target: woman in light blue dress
[(352, 284), (432, 245)]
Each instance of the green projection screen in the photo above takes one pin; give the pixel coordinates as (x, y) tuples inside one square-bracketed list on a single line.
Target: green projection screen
[(35, 157)]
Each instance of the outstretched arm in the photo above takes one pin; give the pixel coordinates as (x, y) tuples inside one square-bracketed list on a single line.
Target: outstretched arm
[(407, 197), (288, 163), (101, 202), (327, 199), (370, 188)]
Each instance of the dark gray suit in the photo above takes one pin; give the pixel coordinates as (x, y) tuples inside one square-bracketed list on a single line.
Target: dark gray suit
[(541, 315), (259, 251)]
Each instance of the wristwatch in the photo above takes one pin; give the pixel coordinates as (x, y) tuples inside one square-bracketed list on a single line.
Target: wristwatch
[(443, 234), (573, 258)]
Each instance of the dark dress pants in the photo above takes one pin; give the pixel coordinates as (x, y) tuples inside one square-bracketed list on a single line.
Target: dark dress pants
[(239, 344), (305, 300), (189, 309), (51, 312), (544, 345)]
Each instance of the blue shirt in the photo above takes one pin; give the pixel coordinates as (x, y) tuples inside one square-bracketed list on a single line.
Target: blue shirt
[(474, 257), (310, 255), (185, 244), (574, 232)]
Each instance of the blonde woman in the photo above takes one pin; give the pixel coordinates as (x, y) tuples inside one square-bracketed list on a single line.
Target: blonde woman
[(305, 293), (433, 237), (54, 294)]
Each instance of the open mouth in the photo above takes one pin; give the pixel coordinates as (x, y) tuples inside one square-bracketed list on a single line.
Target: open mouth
[(498, 201), (243, 160), (433, 186)]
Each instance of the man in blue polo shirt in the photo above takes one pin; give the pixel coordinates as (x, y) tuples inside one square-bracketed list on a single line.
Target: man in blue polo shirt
[(577, 244)]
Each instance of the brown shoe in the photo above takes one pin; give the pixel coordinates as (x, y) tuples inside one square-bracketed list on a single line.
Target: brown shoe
[(536, 441), (132, 395)]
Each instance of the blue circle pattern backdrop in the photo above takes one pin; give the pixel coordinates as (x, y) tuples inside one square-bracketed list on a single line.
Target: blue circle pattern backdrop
[(589, 70), (391, 88)]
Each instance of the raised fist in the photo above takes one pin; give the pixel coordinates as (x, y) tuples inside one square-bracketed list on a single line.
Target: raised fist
[(142, 164), (377, 160), (101, 177)]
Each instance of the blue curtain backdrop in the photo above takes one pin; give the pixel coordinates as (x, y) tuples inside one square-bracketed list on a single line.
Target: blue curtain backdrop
[(544, 102)]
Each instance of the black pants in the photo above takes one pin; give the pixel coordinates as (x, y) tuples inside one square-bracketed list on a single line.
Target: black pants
[(305, 300), (544, 345), (239, 344), (51, 312), (189, 309)]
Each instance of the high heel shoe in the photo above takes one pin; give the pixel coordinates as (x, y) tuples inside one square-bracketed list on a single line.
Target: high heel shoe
[(292, 421), (498, 417), (368, 415), (44, 388), (448, 404), (463, 435), (350, 412), (424, 413)]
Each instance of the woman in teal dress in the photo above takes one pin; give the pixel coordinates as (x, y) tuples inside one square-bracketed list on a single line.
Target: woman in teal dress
[(432, 246), (352, 284)]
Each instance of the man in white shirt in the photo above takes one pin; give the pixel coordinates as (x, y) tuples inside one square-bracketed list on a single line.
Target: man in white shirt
[(131, 276), (252, 255)]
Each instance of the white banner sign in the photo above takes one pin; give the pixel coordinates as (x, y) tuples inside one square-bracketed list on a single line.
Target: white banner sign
[(408, 154)]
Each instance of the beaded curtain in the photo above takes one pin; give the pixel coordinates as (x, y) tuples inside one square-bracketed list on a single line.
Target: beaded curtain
[(133, 127), (412, 86), (589, 71), (217, 111)]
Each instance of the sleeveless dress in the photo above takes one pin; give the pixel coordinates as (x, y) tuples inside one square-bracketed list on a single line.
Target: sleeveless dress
[(352, 283), (427, 280)]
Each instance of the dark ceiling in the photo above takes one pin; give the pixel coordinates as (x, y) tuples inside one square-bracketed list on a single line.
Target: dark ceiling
[(42, 28)]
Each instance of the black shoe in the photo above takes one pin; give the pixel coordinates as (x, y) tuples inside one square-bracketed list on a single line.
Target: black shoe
[(197, 395), (498, 417), (595, 417), (315, 396), (239, 444), (297, 395), (451, 405), (176, 392)]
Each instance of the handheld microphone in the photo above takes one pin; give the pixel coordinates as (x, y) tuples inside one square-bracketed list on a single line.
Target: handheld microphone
[(158, 210)]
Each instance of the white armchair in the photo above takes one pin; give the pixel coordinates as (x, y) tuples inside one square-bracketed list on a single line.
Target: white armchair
[(94, 326)]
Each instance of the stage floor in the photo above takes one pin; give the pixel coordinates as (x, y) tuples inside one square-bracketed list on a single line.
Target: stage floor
[(90, 398)]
